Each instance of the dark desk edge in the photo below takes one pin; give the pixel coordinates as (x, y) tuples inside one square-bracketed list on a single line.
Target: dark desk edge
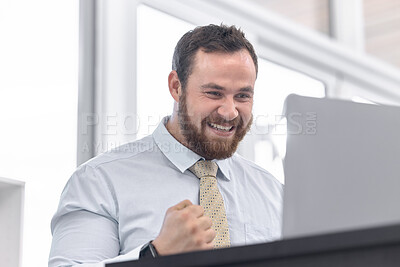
[(364, 238)]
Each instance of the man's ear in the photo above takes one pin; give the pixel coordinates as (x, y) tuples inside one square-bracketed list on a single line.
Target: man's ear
[(174, 85)]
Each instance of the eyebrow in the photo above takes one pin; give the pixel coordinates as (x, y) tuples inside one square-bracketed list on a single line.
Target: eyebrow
[(218, 87)]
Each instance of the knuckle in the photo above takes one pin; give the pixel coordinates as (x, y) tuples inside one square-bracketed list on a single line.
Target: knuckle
[(208, 246), (213, 234), (192, 208), (184, 215), (193, 228), (198, 241), (200, 208), (201, 211)]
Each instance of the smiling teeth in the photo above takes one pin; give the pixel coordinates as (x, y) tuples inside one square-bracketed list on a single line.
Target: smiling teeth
[(220, 127)]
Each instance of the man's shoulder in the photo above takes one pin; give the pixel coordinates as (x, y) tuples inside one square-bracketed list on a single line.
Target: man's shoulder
[(124, 152), (253, 169), (241, 161)]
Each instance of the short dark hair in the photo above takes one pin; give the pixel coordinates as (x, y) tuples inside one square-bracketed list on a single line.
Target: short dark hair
[(210, 38)]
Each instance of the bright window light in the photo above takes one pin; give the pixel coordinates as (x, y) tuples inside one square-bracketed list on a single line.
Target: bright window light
[(38, 109), (273, 85), (157, 34), (359, 99)]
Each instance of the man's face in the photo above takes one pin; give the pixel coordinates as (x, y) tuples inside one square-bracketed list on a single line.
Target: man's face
[(215, 107)]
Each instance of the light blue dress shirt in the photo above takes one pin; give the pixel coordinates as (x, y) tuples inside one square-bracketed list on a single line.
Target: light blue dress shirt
[(116, 202)]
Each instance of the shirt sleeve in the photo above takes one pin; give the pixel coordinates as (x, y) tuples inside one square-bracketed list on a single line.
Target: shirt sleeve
[(133, 255), (85, 226)]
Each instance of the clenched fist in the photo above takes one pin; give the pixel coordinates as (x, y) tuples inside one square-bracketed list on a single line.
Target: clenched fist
[(185, 228)]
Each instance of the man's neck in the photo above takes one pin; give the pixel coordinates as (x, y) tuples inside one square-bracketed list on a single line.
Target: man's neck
[(173, 128)]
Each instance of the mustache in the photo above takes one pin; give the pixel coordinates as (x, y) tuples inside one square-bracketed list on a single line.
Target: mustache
[(238, 121)]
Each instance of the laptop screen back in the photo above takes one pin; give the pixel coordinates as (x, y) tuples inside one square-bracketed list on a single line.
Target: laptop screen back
[(342, 166)]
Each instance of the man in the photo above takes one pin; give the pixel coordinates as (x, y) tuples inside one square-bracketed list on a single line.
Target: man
[(182, 188)]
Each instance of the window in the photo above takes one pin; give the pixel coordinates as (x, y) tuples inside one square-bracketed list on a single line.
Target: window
[(382, 29), (268, 134), (313, 14), (157, 36), (38, 107)]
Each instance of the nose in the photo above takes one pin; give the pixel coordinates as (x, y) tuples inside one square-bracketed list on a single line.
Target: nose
[(228, 110)]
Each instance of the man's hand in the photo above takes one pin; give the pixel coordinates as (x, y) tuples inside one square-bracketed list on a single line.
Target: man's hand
[(185, 228)]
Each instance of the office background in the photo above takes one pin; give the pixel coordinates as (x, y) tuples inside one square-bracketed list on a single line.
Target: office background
[(78, 78)]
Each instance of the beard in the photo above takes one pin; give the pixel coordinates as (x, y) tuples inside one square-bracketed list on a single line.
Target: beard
[(197, 141)]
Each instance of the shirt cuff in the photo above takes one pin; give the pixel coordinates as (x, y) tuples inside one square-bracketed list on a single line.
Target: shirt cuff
[(132, 255)]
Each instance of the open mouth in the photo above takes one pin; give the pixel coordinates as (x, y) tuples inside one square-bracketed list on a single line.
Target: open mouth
[(220, 127)]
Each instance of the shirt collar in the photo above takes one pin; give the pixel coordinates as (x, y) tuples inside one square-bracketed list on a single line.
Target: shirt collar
[(223, 167), (182, 157)]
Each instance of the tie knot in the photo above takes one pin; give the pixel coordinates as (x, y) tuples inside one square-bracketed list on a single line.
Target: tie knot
[(204, 168)]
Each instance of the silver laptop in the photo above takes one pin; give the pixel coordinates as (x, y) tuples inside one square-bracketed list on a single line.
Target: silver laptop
[(342, 166)]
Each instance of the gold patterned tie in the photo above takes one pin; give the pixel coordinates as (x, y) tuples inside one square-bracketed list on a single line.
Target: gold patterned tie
[(211, 200)]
